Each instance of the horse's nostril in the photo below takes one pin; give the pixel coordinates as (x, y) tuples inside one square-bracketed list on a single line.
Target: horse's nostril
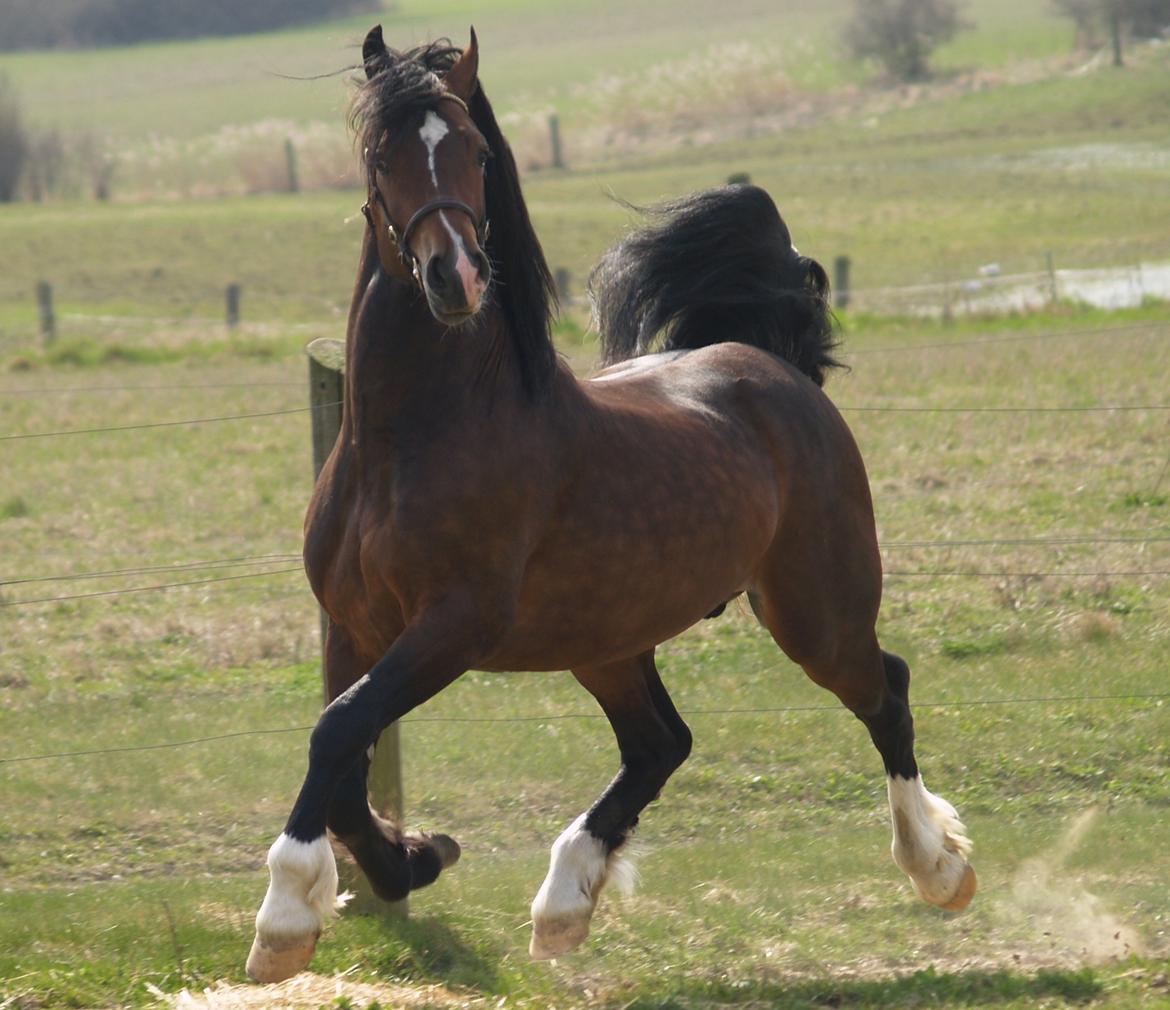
[(479, 261), (437, 277)]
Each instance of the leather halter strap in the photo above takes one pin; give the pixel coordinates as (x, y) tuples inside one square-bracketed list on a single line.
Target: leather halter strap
[(402, 240), (439, 203)]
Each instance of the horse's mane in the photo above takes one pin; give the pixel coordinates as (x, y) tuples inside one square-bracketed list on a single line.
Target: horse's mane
[(409, 83)]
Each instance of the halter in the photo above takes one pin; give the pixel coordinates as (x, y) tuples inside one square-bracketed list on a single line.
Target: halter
[(402, 241)]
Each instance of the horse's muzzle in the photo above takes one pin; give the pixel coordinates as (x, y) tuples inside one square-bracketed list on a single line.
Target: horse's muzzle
[(455, 284)]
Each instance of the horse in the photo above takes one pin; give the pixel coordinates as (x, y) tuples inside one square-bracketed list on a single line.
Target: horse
[(484, 508)]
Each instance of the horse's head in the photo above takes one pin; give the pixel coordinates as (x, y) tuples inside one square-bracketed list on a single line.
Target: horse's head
[(425, 163)]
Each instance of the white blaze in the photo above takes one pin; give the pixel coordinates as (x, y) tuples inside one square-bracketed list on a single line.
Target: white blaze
[(434, 129)]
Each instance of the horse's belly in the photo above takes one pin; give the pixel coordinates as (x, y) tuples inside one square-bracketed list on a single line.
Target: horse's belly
[(611, 597)]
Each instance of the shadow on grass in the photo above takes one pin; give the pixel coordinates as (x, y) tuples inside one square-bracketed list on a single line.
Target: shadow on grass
[(923, 988), (428, 950)]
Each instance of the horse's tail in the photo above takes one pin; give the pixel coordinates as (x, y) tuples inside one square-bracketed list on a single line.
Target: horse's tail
[(713, 267)]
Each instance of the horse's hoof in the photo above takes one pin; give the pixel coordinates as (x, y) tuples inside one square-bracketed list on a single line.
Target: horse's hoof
[(964, 894), (446, 848), (552, 939), (275, 964)]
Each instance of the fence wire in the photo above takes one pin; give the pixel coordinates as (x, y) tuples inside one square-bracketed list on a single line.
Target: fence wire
[(566, 716)]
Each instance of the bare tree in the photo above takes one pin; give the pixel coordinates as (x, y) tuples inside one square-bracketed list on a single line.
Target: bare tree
[(13, 142), (901, 34), (45, 165), (1141, 19), (96, 163), (1146, 19), (1086, 16)]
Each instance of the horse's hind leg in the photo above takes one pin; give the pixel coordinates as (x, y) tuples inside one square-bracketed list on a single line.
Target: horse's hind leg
[(653, 741), (930, 844)]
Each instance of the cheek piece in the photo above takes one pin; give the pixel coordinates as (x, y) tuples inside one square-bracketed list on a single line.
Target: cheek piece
[(402, 241)]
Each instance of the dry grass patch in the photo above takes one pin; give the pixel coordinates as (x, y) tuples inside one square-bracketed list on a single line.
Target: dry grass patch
[(309, 992)]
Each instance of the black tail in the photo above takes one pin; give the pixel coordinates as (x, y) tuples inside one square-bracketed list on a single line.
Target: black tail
[(714, 267)]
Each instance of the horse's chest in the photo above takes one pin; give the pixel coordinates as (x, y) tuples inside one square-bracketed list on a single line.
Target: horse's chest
[(398, 551)]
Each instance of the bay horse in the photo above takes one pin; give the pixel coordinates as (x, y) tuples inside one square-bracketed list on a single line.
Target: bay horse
[(483, 508)]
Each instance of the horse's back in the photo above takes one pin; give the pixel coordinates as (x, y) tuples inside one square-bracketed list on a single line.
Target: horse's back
[(684, 467), (818, 578)]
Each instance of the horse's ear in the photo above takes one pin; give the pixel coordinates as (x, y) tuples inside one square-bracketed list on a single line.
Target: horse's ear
[(375, 55), (461, 79)]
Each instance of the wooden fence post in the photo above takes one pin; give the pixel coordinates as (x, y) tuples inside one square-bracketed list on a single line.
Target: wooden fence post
[(326, 387), (1115, 32), (232, 300), (554, 139), (562, 279), (290, 161), (48, 318), (841, 282)]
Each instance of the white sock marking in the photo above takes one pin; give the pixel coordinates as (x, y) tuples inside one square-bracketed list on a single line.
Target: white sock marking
[(434, 129), (576, 873), (578, 870), (302, 889), (930, 843)]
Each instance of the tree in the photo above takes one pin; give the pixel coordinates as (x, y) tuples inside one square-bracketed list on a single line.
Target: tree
[(34, 24), (1086, 17), (13, 142), (1141, 19), (1146, 19), (901, 34)]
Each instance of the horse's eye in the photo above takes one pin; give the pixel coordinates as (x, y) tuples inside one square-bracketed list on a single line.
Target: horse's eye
[(483, 158), (382, 167)]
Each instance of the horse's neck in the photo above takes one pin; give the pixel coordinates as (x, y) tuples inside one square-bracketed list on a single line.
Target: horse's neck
[(406, 374)]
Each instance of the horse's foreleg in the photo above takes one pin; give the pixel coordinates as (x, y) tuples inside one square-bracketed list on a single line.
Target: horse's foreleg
[(394, 863), (653, 741), (427, 657)]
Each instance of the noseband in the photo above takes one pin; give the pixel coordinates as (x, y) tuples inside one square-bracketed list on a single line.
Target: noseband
[(402, 241)]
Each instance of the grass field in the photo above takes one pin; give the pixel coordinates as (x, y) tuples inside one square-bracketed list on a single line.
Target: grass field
[(137, 866), (948, 192), (1074, 166), (766, 878)]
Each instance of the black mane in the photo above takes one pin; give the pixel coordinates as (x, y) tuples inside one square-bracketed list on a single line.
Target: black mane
[(410, 82)]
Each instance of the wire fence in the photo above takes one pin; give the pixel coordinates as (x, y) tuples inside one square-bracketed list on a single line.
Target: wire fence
[(853, 408), (991, 292), (1024, 336), (268, 560), (279, 564), (688, 713)]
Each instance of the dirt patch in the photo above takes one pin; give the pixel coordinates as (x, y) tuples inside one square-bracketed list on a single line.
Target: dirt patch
[(309, 992)]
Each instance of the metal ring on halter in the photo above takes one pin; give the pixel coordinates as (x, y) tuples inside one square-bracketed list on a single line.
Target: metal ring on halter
[(482, 228)]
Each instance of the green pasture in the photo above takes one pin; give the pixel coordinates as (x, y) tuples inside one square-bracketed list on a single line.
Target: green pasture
[(766, 879), (535, 54), (211, 117), (927, 193), (1040, 667)]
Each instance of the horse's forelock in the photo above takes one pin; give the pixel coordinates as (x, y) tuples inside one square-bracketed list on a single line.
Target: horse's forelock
[(409, 81)]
